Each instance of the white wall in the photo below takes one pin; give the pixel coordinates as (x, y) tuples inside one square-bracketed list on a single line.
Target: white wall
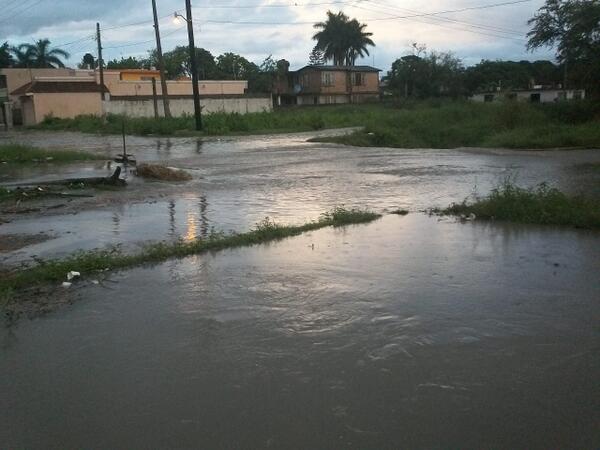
[(181, 106)]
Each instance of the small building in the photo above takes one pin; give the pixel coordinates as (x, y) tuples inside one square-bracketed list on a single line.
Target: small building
[(65, 97), (539, 95), (324, 85)]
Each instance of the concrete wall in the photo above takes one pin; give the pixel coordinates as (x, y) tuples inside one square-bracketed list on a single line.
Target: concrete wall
[(179, 106), (64, 105), (118, 87), (334, 99)]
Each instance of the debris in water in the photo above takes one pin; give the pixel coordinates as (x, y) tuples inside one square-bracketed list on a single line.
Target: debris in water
[(66, 284), (158, 172), (73, 274)]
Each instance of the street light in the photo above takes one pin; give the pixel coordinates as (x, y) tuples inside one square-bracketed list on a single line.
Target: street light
[(194, 69)]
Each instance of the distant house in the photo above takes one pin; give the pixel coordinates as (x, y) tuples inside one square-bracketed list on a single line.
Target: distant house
[(65, 97), (536, 95), (323, 85)]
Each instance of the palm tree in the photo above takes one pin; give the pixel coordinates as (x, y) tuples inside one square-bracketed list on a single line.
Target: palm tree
[(39, 55), (341, 39), (358, 40)]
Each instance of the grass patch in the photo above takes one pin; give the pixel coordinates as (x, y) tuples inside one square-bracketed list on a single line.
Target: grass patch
[(159, 172), (25, 154), (48, 271), (540, 205), (399, 212)]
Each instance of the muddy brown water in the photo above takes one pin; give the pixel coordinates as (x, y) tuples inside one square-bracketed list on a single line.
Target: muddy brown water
[(409, 332)]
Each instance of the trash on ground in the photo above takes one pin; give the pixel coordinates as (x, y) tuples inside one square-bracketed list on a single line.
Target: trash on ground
[(73, 274)]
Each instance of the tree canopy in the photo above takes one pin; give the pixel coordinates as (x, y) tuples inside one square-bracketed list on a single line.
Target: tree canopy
[(39, 55), (6, 59), (342, 39)]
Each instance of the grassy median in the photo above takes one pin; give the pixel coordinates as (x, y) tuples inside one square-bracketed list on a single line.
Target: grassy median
[(49, 271), (540, 205), (425, 124)]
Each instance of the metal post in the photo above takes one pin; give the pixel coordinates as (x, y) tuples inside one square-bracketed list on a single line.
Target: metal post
[(100, 65), (194, 68), (154, 100), (161, 63)]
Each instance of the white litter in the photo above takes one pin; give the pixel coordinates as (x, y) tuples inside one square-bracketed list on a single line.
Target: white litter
[(72, 274), (66, 284), (95, 282)]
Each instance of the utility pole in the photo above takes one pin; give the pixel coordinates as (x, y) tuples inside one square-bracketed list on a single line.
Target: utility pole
[(190, 27), (100, 65), (161, 63)]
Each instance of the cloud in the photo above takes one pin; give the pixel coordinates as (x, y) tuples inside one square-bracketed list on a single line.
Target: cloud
[(283, 32)]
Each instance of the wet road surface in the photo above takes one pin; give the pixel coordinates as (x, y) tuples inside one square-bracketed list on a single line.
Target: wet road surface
[(409, 332)]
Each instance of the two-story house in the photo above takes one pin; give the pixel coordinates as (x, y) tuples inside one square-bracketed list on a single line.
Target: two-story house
[(322, 85)]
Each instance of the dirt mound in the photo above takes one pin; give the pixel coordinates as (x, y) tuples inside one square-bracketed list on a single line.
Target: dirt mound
[(158, 172)]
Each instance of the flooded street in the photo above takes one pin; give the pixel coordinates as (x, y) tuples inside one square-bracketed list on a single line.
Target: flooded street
[(238, 181), (408, 332)]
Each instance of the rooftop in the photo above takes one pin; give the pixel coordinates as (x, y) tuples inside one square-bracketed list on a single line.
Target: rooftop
[(341, 68), (59, 85)]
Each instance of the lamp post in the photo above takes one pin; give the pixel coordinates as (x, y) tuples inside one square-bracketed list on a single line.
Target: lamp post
[(193, 68)]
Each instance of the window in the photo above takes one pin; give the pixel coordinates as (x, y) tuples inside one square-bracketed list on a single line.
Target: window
[(488, 98), (577, 95), (304, 81), (358, 79), (535, 98), (326, 79)]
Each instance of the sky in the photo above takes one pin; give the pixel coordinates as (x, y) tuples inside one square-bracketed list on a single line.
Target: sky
[(471, 29)]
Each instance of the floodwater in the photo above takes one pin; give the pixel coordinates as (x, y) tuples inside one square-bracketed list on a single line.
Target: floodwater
[(239, 181), (409, 332)]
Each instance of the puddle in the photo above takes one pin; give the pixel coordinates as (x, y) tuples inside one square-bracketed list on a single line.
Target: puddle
[(409, 332)]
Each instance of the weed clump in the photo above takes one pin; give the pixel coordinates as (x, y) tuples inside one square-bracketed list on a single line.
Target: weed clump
[(159, 172), (540, 205)]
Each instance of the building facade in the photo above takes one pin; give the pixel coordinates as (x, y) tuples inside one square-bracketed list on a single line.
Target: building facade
[(542, 95), (324, 85)]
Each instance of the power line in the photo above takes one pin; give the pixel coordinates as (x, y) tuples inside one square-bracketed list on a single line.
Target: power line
[(18, 13), (448, 19), (428, 20), (144, 42)]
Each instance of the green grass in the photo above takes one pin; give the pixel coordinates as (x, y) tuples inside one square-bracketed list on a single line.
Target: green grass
[(540, 205), (24, 154), (427, 124), (48, 271)]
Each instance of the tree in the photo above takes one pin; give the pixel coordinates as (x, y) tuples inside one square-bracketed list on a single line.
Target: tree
[(432, 75), (131, 62), (235, 67), (573, 28), (342, 40), (87, 62), (316, 57), (6, 59), (39, 55), (177, 63), (358, 41)]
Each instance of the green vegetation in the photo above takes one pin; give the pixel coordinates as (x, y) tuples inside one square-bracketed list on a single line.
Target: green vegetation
[(23, 154), (431, 124), (541, 205), (93, 261)]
